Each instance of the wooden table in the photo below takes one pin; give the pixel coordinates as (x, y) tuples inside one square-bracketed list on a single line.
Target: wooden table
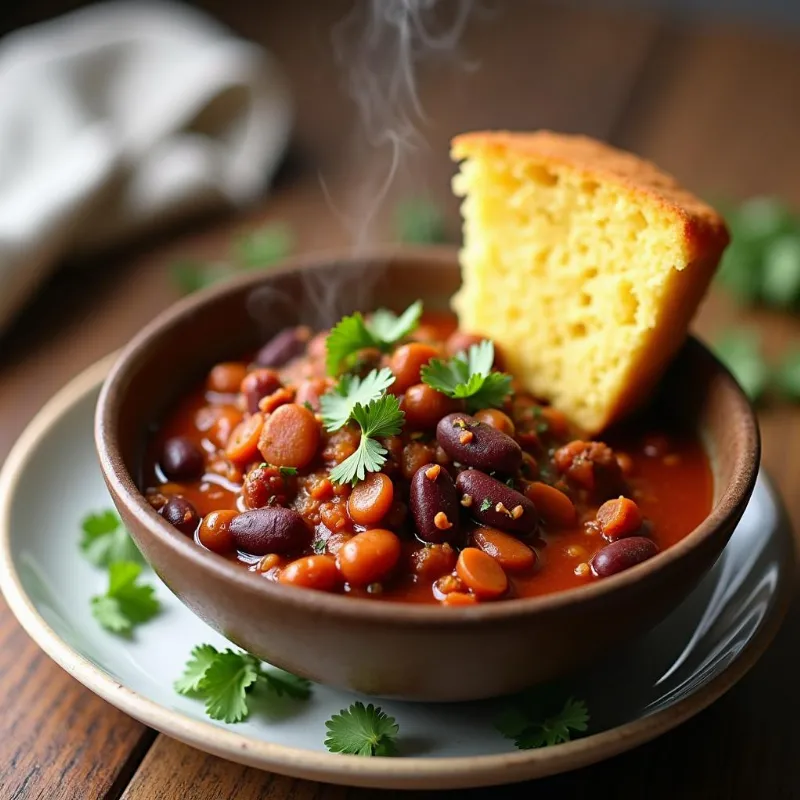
[(718, 106)]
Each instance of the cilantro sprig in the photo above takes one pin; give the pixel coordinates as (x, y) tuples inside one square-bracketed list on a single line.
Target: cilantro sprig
[(382, 331), (126, 602), (530, 725), (105, 541), (469, 376), (225, 679), (338, 404), (362, 731), (381, 417)]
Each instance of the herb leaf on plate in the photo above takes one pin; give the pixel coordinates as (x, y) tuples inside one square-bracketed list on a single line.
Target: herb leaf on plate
[(126, 603), (380, 418), (224, 679), (337, 405), (469, 376), (530, 726), (363, 731), (105, 541)]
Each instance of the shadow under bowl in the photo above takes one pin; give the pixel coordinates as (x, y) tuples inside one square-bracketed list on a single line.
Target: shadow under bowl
[(406, 651)]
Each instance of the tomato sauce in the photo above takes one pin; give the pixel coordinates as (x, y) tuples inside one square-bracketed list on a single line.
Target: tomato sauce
[(664, 472)]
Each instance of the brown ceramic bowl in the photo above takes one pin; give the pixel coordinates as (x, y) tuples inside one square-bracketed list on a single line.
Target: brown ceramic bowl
[(390, 649)]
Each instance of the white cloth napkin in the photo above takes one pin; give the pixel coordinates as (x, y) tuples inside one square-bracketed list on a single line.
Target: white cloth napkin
[(121, 117)]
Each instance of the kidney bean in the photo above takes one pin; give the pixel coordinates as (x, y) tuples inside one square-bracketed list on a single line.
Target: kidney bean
[(257, 384), (181, 459), (269, 530), (283, 347), (494, 504), (434, 504), (475, 444), (622, 555), (181, 514)]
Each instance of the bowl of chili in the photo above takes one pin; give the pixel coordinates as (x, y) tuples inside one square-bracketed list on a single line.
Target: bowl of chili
[(382, 508)]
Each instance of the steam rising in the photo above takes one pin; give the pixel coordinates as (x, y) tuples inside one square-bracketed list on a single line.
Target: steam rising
[(378, 47)]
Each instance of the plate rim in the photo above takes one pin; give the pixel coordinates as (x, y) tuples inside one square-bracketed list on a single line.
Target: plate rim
[(411, 772)]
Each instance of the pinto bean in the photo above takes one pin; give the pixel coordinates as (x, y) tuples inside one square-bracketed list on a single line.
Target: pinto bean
[(434, 504), (475, 444), (269, 530), (622, 555), (494, 504)]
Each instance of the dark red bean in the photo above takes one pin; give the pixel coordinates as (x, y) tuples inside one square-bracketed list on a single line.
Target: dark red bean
[(434, 504), (493, 503), (257, 384), (475, 444), (182, 459), (622, 555), (270, 530), (283, 347), (182, 514)]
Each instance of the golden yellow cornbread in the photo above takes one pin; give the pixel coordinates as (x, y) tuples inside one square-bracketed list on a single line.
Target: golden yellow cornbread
[(584, 263)]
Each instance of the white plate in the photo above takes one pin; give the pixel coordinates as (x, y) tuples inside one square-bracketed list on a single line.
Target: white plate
[(51, 480)]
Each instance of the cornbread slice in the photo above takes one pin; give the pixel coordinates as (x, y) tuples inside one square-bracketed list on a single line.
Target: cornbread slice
[(584, 263)]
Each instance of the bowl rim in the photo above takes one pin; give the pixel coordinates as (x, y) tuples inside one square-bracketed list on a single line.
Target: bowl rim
[(123, 485)]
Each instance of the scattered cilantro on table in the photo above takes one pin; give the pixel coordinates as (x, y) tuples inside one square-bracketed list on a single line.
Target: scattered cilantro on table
[(337, 405), (353, 333), (362, 731), (531, 724), (126, 602), (419, 222), (787, 375), (260, 247), (469, 376), (377, 419), (762, 262), (740, 351), (225, 679), (105, 541)]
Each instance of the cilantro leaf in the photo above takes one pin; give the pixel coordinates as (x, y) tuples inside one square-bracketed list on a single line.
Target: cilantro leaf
[(354, 333), (287, 472), (787, 375), (529, 728), (264, 246), (203, 656), (420, 222), (224, 685), (363, 731), (781, 272), (337, 405), (469, 376), (346, 338), (740, 351), (126, 603), (388, 328), (224, 679), (285, 684), (105, 541), (380, 418)]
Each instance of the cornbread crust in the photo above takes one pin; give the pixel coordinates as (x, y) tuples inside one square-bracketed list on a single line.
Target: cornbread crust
[(697, 234)]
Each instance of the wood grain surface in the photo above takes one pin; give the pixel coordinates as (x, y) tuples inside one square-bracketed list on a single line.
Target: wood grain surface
[(716, 105)]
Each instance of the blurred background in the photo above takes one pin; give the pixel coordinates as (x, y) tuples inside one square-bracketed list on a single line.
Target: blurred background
[(148, 149)]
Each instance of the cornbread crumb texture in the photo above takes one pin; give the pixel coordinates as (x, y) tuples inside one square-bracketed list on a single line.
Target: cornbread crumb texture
[(584, 263)]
